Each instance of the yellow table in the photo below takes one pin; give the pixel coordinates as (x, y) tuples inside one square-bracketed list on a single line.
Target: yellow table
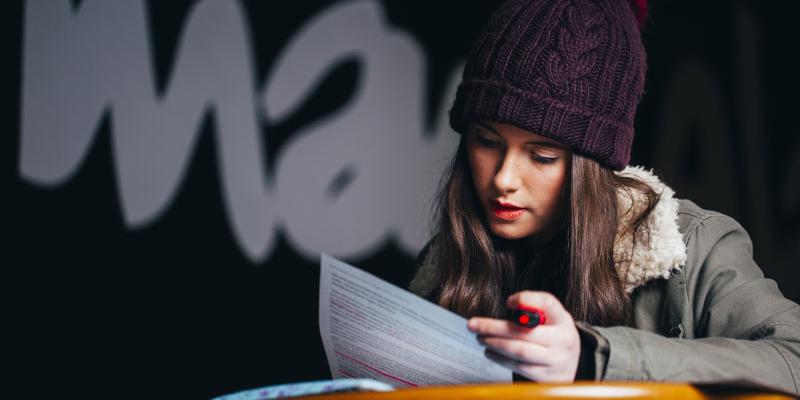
[(588, 390)]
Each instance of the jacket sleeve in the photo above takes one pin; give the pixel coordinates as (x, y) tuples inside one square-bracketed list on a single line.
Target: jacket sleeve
[(741, 324)]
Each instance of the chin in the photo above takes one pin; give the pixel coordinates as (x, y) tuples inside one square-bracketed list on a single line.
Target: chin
[(508, 232)]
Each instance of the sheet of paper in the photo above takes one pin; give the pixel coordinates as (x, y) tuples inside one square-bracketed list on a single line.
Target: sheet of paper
[(373, 329)]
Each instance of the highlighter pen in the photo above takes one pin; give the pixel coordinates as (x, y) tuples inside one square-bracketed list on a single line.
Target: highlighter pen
[(529, 317)]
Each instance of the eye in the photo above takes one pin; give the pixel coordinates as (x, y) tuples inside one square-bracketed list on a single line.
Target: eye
[(486, 142), (542, 159)]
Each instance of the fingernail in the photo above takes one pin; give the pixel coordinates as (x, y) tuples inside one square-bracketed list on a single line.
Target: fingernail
[(471, 324)]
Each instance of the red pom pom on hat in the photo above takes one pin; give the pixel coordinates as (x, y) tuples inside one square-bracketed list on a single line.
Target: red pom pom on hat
[(639, 8)]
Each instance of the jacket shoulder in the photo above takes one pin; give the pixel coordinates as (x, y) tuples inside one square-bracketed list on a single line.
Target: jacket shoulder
[(719, 261), (691, 218)]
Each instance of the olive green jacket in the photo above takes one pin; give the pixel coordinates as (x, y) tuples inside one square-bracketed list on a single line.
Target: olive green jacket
[(703, 310)]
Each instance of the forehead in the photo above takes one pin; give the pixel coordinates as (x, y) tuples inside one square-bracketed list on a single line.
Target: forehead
[(512, 133)]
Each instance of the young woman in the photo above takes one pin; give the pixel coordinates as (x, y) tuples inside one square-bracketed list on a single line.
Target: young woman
[(540, 209)]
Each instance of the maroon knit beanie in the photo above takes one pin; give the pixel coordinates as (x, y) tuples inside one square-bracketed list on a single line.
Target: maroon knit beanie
[(571, 70)]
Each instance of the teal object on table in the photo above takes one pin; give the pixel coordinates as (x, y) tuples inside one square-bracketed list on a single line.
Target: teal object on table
[(308, 388)]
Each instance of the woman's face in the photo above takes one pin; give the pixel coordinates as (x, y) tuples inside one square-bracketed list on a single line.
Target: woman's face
[(518, 176)]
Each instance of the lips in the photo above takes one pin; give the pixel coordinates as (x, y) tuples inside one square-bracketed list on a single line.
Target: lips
[(506, 211)]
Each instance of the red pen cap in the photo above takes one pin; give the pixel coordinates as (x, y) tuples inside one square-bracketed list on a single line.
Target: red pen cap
[(542, 317)]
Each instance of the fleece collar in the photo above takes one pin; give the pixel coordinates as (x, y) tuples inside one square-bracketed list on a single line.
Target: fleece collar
[(639, 260)]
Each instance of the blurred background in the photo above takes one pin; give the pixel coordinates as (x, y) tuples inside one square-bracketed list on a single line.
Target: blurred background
[(176, 168)]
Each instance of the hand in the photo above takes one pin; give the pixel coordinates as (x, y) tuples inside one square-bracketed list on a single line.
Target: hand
[(546, 353)]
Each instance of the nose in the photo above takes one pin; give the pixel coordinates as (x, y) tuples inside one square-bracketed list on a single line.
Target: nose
[(507, 178)]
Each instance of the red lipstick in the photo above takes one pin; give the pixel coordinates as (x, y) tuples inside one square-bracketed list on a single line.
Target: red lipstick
[(506, 211)]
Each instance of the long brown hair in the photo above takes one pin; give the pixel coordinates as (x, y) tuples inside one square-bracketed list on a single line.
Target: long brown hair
[(478, 270)]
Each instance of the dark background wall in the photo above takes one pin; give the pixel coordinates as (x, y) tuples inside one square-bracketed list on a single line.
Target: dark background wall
[(174, 302)]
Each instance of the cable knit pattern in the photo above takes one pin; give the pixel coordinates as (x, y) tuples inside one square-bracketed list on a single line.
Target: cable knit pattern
[(575, 56), (572, 70)]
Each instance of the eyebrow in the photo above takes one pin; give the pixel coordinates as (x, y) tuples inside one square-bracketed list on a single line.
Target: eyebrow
[(542, 143)]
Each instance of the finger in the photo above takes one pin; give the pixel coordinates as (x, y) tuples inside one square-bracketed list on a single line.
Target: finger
[(537, 373), (508, 362), (552, 307), (542, 334), (497, 327), (526, 352), (534, 372)]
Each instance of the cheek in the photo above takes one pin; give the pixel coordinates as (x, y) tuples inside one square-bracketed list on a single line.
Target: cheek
[(544, 183), (551, 186), (481, 166)]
